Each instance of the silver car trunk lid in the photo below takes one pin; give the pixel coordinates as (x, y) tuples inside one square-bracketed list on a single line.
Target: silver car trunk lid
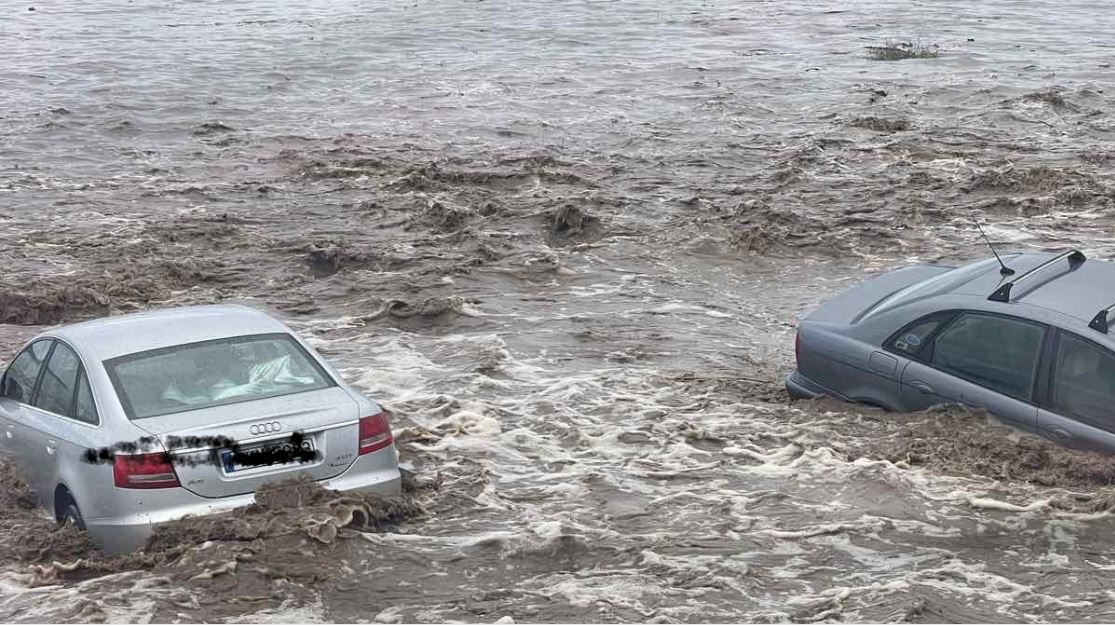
[(324, 420)]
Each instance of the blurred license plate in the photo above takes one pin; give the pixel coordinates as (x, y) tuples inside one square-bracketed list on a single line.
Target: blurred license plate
[(268, 454)]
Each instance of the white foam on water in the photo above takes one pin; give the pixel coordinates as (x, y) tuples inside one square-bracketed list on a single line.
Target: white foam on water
[(119, 598), (288, 612)]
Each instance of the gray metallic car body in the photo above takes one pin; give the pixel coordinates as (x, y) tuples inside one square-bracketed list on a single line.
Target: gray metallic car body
[(843, 346), (49, 448)]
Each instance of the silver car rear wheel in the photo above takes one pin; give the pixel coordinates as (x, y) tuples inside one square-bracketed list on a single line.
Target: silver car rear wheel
[(70, 515)]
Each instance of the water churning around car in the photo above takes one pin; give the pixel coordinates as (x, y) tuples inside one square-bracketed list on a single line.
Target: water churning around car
[(566, 246)]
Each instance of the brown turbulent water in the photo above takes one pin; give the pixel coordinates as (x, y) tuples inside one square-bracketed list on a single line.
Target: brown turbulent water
[(566, 244)]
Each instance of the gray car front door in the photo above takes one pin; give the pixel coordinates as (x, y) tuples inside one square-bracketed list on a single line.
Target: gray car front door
[(979, 360)]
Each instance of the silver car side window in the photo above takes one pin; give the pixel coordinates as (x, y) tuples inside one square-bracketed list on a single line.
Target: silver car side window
[(1084, 381), (84, 407), (59, 380), (19, 380), (999, 353)]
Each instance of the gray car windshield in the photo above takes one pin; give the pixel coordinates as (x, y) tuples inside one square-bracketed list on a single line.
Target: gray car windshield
[(212, 373)]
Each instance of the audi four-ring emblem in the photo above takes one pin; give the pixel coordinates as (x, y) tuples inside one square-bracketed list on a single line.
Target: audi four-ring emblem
[(264, 428)]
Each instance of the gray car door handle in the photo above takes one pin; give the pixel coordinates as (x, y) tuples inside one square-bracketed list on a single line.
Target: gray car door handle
[(920, 386), (51, 446)]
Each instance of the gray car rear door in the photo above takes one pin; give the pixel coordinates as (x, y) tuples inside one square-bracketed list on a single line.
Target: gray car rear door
[(1079, 409), (980, 360)]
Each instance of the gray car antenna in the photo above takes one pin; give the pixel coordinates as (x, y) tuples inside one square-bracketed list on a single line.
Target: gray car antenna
[(1005, 271)]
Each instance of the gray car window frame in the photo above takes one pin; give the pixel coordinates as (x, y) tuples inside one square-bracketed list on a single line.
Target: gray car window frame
[(925, 354), (1050, 382)]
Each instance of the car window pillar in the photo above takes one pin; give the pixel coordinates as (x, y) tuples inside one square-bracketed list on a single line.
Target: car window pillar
[(77, 385), (41, 373), (1043, 384)]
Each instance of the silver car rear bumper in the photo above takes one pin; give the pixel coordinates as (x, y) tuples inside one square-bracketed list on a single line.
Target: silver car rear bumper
[(128, 533)]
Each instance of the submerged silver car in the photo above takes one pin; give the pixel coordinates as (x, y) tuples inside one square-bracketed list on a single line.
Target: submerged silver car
[(125, 422), (1026, 338)]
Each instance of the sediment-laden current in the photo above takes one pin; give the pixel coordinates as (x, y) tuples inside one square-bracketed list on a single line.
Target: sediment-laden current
[(566, 245)]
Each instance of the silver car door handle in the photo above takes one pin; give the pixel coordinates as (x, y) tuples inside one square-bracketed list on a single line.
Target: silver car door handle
[(922, 387), (51, 446)]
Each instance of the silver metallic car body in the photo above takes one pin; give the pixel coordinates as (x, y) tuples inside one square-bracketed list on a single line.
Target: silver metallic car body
[(843, 352), (48, 448)]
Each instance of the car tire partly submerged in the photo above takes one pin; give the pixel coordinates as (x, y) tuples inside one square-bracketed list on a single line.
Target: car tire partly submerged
[(69, 514)]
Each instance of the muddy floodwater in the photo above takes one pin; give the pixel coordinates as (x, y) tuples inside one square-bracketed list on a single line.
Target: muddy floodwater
[(566, 245)]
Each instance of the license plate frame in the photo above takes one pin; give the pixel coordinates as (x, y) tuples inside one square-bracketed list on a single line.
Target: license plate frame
[(275, 448)]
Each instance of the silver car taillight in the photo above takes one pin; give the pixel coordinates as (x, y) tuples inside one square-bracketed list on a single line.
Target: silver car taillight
[(797, 346), (144, 471), (375, 433)]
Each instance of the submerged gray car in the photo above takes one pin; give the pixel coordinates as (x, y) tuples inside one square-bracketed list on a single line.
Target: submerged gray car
[(125, 422), (1027, 340)]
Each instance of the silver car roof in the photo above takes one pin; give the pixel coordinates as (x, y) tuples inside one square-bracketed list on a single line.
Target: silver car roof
[(118, 335)]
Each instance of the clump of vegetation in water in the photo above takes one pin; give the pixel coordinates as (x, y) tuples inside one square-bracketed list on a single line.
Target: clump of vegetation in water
[(881, 125), (897, 51)]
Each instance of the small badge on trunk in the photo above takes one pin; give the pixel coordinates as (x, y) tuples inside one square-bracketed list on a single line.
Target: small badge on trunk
[(265, 428)]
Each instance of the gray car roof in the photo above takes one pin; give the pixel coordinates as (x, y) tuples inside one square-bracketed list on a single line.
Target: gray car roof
[(1078, 291), (118, 335), (1064, 295)]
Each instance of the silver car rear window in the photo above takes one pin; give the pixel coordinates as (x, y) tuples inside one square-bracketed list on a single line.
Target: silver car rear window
[(213, 373)]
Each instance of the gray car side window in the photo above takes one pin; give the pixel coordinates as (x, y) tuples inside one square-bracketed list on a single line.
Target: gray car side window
[(59, 382), (993, 351), (915, 336), (19, 381), (1083, 385)]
